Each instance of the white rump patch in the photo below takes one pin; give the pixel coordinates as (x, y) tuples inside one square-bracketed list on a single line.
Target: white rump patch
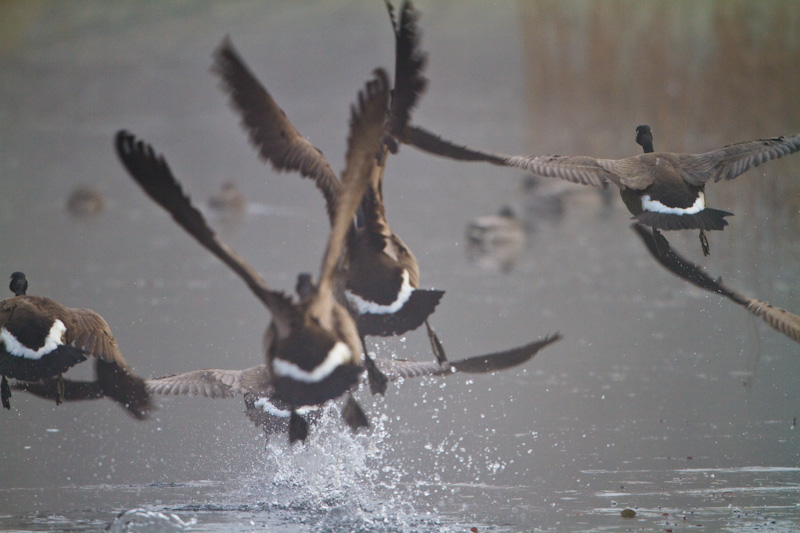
[(654, 206), (268, 407), (364, 306), (54, 339), (340, 354)]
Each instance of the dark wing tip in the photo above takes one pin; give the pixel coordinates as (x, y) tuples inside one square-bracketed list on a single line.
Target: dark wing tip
[(506, 359), (660, 249)]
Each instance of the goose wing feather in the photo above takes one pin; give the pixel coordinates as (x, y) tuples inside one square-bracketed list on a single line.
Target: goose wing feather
[(733, 160), (269, 129)]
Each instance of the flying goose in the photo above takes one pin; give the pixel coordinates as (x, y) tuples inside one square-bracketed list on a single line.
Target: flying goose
[(312, 346), (272, 416), (381, 272), (662, 190), (777, 318), (40, 339)]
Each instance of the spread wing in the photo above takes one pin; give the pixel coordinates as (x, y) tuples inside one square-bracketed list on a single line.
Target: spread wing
[(777, 318), (91, 333), (730, 161), (151, 171), (112, 381), (576, 169), (218, 383), (209, 383), (397, 369), (269, 129), (73, 390)]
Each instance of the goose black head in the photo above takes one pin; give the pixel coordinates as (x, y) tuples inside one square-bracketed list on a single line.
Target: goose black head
[(18, 285), (644, 138), (305, 286)]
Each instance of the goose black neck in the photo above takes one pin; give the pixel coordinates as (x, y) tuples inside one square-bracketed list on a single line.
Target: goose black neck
[(19, 284), (644, 138)]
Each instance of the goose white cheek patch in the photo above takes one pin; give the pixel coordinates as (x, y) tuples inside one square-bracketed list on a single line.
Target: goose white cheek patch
[(340, 354), (54, 339), (654, 206), (364, 306)]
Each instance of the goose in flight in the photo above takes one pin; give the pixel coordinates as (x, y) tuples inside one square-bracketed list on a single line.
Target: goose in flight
[(40, 339), (662, 190)]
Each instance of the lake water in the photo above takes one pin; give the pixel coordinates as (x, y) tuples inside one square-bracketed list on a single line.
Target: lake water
[(660, 398)]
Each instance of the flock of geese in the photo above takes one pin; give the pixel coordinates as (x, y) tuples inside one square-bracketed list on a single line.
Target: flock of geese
[(369, 281)]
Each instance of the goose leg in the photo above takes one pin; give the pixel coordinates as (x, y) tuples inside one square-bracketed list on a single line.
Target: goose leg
[(5, 393), (377, 379), (60, 389), (353, 414), (436, 344), (704, 243), (298, 428)]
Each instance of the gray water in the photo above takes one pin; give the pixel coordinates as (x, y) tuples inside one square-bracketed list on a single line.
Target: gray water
[(660, 398)]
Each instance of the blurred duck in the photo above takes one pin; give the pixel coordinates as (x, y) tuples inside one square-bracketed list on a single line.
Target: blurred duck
[(312, 346), (40, 339), (543, 199), (228, 199), (84, 201), (495, 241), (662, 190), (273, 416), (381, 273)]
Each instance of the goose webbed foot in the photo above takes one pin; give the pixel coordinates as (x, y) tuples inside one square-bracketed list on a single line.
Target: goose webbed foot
[(298, 428), (5, 393), (704, 243), (377, 379), (353, 414), (436, 345)]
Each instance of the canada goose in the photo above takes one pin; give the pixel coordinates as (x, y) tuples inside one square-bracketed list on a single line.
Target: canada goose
[(41, 339), (312, 346), (84, 201), (662, 190), (777, 318), (272, 416), (382, 274)]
